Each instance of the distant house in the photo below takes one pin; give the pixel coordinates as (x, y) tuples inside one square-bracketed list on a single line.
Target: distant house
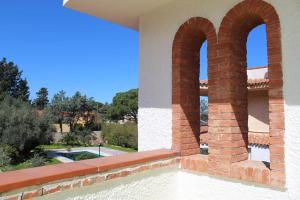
[(258, 114), (88, 116)]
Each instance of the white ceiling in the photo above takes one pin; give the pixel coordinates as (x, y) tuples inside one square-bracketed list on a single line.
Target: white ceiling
[(123, 12)]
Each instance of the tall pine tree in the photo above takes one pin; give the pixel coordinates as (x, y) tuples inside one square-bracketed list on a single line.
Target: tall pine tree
[(11, 82), (42, 99)]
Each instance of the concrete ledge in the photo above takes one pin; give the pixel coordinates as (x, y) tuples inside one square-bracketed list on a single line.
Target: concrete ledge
[(248, 170), (36, 176)]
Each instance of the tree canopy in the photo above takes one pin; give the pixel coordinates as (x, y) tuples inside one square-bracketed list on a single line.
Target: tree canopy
[(21, 127), (125, 104), (77, 106), (41, 100), (11, 81), (204, 110), (58, 106), (71, 109)]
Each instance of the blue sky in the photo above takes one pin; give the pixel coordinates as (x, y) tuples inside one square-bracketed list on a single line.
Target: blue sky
[(63, 49), (256, 51)]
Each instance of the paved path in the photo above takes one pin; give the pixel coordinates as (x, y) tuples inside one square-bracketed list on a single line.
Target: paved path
[(104, 151)]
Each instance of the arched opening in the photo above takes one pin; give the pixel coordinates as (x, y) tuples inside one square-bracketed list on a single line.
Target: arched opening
[(232, 53), (185, 83), (258, 98), (203, 99)]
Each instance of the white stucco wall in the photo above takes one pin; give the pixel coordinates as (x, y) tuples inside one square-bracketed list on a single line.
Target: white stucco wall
[(170, 185), (157, 30), (258, 73)]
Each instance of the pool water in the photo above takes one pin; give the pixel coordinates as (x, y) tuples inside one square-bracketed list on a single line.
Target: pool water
[(82, 155)]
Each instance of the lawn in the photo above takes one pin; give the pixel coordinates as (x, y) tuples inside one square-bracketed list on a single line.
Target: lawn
[(63, 146), (57, 146), (119, 148)]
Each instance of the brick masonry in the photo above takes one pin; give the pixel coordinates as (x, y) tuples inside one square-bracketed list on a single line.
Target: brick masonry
[(185, 86), (249, 171), (227, 130), (84, 181), (227, 80)]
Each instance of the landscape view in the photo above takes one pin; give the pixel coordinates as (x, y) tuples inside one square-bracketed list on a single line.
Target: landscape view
[(149, 100), (58, 108), (30, 128)]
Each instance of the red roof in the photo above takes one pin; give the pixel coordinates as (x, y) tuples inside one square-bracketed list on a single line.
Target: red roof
[(252, 84), (253, 137)]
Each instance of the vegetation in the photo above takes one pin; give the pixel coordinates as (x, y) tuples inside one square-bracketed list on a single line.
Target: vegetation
[(26, 128), (78, 112), (55, 146), (125, 104), (42, 99), (35, 158), (21, 127), (78, 106), (204, 110), (11, 81), (120, 148), (124, 135), (57, 108), (78, 138), (97, 116)]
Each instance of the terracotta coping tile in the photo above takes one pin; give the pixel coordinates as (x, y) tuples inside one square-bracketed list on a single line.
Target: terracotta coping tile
[(119, 161), (40, 175)]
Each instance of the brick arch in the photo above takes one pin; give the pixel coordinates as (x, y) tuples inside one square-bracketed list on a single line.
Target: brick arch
[(185, 82), (232, 38)]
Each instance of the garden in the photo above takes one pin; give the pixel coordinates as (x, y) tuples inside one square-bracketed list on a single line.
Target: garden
[(27, 126)]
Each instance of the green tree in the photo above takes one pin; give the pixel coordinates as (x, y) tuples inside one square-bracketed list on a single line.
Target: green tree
[(203, 110), (102, 110), (72, 109), (11, 82), (125, 104), (79, 106), (58, 108), (22, 91), (21, 127), (42, 99)]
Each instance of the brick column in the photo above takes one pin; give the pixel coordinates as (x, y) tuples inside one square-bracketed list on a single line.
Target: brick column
[(229, 104), (185, 83)]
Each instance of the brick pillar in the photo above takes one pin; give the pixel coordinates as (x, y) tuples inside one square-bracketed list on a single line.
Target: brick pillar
[(186, 108), (185, 84), (276, 106), (228, 118), (228, 99)]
